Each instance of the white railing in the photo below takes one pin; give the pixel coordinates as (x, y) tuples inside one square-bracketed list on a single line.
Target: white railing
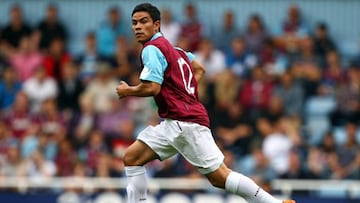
[(89, 184), (351, 188), (287, 187)]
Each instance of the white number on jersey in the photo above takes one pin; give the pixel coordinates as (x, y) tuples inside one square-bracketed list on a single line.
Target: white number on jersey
[(186, 78)]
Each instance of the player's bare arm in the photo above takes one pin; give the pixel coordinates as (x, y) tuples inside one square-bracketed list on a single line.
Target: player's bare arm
[(143, 89), (199, 70)]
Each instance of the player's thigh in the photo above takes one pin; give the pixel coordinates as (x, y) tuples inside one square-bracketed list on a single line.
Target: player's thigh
[(197, 145), (138, 154), (157, 139)]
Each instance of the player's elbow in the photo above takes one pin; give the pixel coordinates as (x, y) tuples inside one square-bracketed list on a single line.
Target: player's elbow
[(151, 89), (198, 68), (154, 91), (202, 69)]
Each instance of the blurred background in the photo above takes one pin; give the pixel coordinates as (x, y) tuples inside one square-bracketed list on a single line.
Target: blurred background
[(282, 90)]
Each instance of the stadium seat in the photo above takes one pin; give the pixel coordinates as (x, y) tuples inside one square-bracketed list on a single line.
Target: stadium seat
[(340, 135), (317, 122)]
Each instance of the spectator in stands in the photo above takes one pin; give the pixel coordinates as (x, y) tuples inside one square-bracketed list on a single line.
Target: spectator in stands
[(39, 88), (108, 167), (255, 93), (70, 88), (233, 129), (238, 59), (51, 120), (88, 59), (56, 58), (83, 122), (334, 73), (317, 165), (323, 42), (94, 148), (275, 110), (121, 61), (255, 34), (18, 117), (277, 144), (256, 165), (226, 89), (273, 59), (3, 61), (26, 59), (212, 58), (316, 113), (318, 158), (226, 32), (101, 89), (9, 87), (296, 170), (50, 28), (14, 30), (328, 143), (7, 158), (38, 140), (109, 122), (66, 158), (183, 43), (306, 55), (12, 164), (103, 168), (192, 28), (109, 31), (344, 163), (293, 29), (214, 61), (306, 70), (170, 28), (37, 168), (291, 94), (127, 131), (348, 98)]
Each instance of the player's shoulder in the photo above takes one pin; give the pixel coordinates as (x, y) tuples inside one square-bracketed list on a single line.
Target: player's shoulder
[(181, 50)]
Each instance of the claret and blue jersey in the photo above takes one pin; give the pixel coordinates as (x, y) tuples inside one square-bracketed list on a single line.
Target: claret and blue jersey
[(171, 68), (155, 62)]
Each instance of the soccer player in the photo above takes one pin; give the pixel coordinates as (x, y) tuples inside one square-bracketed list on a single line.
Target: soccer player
[(170, 75)]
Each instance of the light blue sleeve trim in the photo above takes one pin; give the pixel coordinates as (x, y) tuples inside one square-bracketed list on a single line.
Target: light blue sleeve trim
[(155, 64), (190, 55)]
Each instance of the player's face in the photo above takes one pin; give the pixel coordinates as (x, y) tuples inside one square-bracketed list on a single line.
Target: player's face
[(143, 26)]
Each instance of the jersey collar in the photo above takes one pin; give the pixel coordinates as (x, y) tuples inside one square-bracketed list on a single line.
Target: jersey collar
[(157, 35)]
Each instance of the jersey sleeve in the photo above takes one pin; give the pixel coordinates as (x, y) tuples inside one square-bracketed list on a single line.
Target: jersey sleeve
[(190, 55), (154, 64)]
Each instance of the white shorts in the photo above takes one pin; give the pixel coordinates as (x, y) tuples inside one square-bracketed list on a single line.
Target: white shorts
[(191, 140)]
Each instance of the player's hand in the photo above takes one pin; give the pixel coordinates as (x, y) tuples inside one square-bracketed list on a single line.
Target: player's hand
[(121, 89)]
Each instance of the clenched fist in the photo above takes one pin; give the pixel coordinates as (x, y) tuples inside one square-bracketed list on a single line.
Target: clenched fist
[(121, 89)]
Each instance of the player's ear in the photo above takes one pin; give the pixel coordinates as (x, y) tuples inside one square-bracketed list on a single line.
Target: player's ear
[(157, 25)]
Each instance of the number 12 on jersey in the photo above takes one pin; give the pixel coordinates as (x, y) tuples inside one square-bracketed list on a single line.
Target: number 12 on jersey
[(186, 78)]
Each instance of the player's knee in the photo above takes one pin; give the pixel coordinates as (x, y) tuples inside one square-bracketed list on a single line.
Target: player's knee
[(217, 182), (130, 159), (218, 177)]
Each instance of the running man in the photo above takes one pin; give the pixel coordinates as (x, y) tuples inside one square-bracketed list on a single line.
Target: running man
[(170, 75)]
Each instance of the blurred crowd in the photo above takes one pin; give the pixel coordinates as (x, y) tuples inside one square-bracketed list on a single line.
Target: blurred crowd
[(282, 105)]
